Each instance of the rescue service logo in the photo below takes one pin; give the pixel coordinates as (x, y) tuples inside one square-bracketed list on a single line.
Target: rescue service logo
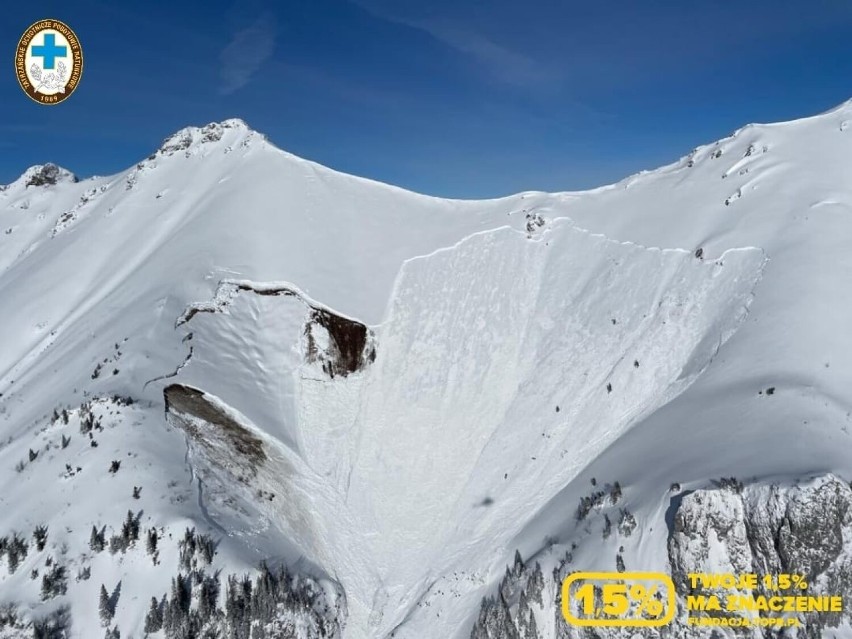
[(49, 61)]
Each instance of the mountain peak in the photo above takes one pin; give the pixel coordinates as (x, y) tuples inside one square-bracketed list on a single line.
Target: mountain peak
[(213, 132), (47, 174)]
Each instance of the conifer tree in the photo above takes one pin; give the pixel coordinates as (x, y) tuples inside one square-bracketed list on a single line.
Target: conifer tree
[(535, 585), (40, 536), (154, 618), (97, 540), (532, 628), (151, 541), (105, 609)]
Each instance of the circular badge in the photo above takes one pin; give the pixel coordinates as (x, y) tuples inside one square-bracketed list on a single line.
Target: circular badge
[(49, 61)]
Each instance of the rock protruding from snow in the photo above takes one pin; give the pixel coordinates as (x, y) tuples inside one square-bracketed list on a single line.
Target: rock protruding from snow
[(766, 530), (195, 408), (731, 528), (46, 175), (340, 345), (189, 136)]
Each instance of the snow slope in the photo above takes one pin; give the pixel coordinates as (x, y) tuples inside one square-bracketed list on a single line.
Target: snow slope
[(510, 350)]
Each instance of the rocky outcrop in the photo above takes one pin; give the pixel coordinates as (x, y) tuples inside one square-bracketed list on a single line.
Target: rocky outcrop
[(187, 137), (339, 344), (804, 529), (211, 426), (47, 175)]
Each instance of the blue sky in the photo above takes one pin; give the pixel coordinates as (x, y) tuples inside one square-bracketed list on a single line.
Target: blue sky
[(459, 98)]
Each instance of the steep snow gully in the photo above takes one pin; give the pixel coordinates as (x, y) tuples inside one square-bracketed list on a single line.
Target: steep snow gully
[(418, 465)]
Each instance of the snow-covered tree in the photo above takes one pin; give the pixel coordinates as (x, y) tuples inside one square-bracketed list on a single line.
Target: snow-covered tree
[(106, 611), (154, 618)]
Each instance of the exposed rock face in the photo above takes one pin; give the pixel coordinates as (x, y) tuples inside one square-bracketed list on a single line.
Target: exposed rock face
[(197, 413), (47, 175), (805, 529), (341, 345), (185, 138), (347, 345), (766, 529)]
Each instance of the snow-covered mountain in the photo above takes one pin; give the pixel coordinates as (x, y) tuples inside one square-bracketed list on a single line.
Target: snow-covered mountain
[(227, 355)]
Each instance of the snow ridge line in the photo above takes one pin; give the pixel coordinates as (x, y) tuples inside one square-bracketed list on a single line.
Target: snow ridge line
[(229, 288), (551, 223)]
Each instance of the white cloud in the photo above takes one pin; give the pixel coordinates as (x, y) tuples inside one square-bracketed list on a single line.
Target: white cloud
[(504, 64), (498, 60), (246, 53)]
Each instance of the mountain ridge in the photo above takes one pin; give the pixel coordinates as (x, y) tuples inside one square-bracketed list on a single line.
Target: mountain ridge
[(524, 346), (196, 132)]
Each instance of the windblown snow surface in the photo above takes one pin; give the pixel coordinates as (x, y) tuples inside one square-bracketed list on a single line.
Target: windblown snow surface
[(391, 394)]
